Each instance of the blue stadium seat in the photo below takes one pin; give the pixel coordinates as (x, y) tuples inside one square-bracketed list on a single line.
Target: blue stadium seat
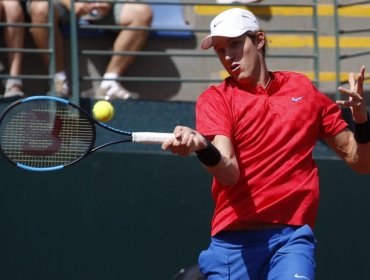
[(170, 16)]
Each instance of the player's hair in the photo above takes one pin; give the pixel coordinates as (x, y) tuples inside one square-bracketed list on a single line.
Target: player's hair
[(253, 36)]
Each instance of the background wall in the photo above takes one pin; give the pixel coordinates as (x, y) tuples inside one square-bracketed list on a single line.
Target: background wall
[(113, 216), (140, 216), (342, 227)]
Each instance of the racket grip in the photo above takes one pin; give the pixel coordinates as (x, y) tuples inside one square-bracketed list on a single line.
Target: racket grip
[(151, 137)]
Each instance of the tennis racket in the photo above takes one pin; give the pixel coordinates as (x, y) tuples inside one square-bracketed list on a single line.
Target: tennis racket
[(46, 133)]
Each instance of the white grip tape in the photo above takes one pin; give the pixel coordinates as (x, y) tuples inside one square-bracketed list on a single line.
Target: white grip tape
[(151, 137)]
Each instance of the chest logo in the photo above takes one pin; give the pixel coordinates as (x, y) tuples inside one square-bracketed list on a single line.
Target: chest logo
[(297, 99)]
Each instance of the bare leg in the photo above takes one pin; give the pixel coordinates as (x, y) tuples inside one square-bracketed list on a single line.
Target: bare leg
[(39, 15), (132, 15), (14, 38)]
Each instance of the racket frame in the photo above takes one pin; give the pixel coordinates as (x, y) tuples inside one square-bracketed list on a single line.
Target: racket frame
[(88, 116)]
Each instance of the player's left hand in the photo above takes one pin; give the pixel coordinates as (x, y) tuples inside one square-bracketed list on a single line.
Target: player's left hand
[(356, 101)]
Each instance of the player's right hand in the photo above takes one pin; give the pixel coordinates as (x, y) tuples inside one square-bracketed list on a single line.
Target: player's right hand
[(186, 141)]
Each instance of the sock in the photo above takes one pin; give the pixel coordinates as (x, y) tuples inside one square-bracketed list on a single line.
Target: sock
[(109, 79)]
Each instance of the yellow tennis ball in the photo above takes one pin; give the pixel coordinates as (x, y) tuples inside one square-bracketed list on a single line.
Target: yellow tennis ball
[(103, 111)]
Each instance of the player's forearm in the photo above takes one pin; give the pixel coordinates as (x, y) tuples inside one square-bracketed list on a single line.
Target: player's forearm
[(226, 171), (353, 147), (219, 159), (356, 155), (362, 138), (361, 159)]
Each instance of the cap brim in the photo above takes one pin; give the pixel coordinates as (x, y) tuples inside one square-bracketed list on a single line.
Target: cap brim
[(207, 42)]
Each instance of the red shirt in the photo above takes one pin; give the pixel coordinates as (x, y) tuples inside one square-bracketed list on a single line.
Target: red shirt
[(274, 132)]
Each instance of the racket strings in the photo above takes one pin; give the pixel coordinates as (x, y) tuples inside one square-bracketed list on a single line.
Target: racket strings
[(46, 135)]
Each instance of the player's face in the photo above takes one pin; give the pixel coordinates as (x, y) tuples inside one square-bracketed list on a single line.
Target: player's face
[(241, 58)]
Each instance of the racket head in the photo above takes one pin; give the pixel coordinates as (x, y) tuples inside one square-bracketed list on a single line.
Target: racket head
[(44, 133)]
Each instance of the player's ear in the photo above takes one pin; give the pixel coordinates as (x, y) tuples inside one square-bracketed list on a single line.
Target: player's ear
[(261, 39)]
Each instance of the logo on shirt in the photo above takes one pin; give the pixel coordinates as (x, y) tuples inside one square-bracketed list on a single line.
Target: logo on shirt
[(300, 276), (296, 99)]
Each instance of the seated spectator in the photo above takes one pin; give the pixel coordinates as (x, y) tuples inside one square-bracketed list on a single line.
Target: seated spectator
[(11, 12), (125, 14)]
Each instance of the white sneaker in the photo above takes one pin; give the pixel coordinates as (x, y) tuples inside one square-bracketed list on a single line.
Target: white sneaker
[(113, 90), (13, 89), (13, 92)]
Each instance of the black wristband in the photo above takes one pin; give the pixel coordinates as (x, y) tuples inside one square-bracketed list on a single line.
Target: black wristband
[(362, 131), (210, 155)]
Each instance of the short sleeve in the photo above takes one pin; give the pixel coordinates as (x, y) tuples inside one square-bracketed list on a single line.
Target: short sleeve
[(214, 114), (332, 121)]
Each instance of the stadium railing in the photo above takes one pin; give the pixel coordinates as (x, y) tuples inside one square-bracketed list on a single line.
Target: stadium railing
[(51, 69), (339, 31), (179, 30)]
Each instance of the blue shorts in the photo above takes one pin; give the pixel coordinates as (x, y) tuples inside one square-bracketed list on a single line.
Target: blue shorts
[(285, 253)]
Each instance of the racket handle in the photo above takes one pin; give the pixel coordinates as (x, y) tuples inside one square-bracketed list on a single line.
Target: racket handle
[(151, 137)]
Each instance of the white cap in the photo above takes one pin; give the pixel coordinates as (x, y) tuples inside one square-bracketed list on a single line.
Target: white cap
[(231, 23)]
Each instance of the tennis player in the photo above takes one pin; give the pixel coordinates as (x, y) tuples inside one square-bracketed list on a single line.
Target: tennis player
[(255, 133)]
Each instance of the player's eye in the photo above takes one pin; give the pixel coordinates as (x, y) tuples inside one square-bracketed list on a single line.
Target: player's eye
[(235, 44), (220, 51)]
